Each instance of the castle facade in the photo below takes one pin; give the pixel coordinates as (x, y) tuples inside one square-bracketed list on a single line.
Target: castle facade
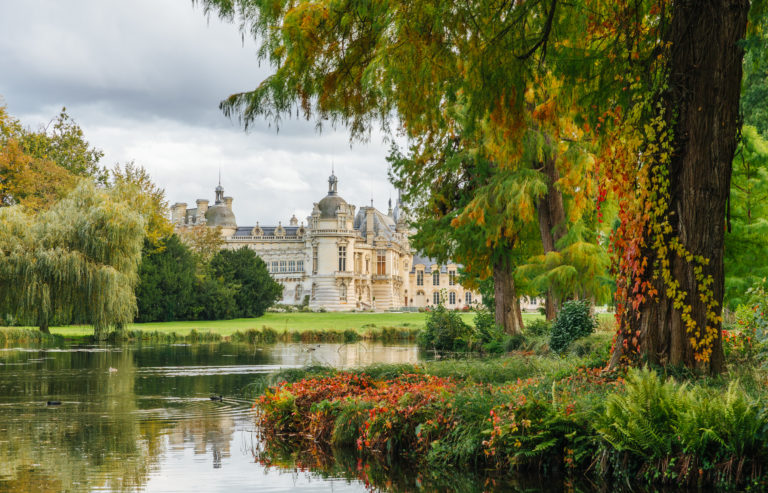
[(344, 259)]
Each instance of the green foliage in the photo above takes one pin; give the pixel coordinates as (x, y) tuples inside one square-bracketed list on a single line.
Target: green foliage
[(746, 251), (655, 419), (167, 286), (445, 331), (539, 327), (577, 269), (215, 300), (573, 322), (255, 290)]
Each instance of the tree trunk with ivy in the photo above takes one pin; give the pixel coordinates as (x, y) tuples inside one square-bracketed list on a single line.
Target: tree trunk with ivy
[(508, 313), (704, 80)]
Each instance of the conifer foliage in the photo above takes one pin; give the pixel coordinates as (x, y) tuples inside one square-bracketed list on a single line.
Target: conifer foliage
[(651, 88)]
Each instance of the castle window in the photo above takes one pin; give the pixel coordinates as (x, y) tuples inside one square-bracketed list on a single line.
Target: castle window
[(436, 298), (452, 278), (436, 278), (468, 298), (381, 263), (299, 266), (343, 292), (452, 298), (314, 260), (274, 266), (342, 258), (282, 266), (419, 277), (291, 266)]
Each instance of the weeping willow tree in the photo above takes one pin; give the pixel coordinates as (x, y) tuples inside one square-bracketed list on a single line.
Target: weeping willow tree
[(76, 262)]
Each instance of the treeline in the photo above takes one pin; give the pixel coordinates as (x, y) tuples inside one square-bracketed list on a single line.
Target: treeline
[(178, 283), (84, 244)]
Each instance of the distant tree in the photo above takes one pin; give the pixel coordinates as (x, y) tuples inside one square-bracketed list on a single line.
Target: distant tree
[(167, 288), (63, 142), (255, 289), (25, 179), (214, 300), (77, 261), (204, 241), (145, 197)]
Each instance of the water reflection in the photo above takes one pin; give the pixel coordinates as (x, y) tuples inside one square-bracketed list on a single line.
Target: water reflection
[(141, 418)]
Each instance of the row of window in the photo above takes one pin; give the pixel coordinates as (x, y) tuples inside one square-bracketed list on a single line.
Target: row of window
[(381, 261), (282, 266), (435, 278), (451, 298)]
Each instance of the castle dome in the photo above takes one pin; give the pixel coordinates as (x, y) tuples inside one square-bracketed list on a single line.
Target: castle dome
[(330, 204), (220, 215)]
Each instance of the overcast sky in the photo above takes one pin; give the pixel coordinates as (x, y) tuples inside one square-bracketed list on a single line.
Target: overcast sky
[(144, 79)]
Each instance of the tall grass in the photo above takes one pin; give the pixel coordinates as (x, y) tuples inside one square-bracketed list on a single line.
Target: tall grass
[(14, 336)]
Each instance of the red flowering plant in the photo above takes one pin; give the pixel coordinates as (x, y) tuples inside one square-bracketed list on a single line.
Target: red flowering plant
[(384, 416)]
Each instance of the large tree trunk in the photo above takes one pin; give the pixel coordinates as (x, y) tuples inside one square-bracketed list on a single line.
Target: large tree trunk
[(508, 313), (44, 327), (551, 225), (704, 89)]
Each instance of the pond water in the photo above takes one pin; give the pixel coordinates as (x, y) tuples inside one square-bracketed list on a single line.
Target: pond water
[(140, 418)]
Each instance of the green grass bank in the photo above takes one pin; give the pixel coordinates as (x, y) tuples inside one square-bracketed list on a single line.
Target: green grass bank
[(272, 327)]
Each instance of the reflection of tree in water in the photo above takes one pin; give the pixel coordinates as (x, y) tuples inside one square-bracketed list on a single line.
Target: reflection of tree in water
[(92, 439), (380, 473), (103, 435)]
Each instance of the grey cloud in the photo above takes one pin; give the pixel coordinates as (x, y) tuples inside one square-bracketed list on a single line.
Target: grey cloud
[(144, 80)]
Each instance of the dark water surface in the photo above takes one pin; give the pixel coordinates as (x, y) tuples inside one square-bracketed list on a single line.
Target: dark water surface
[(140, 418)]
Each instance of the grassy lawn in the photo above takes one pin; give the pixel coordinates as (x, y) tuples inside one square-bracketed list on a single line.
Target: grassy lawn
[(283, 322)]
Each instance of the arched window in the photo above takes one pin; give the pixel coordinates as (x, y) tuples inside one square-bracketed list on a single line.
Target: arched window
[(436, 298), (468, 298), (436, 278), (451, 277), (451, 298)]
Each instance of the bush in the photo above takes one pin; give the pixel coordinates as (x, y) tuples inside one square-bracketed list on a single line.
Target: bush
[(445, 331), (573, 322), (539, 327)]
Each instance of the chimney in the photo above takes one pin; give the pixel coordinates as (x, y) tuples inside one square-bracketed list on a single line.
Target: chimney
[(228, 202), (178, 211), (202, 208)]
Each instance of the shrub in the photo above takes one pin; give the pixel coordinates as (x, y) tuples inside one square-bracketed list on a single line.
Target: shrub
[(539, 327), (445, 331), (573, 322)]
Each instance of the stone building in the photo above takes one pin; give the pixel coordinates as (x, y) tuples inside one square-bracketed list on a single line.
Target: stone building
[(343, 259)]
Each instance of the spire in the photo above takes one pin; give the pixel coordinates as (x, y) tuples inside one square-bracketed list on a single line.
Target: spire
[(389, 211), (219, 190)]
